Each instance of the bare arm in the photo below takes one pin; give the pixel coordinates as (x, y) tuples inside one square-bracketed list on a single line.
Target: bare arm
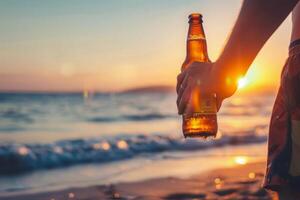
[(257, 21)]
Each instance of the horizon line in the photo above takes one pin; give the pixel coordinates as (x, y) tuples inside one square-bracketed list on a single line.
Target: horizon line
[(132, 89), (154, 88)]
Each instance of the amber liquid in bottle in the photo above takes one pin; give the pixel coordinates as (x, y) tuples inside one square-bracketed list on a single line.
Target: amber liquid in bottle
[(202, 120)]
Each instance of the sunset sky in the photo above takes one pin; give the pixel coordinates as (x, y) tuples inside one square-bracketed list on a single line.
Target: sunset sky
[(113, 45)]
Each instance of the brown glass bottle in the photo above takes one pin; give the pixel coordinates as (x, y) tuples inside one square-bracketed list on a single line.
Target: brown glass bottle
[(202, 120)]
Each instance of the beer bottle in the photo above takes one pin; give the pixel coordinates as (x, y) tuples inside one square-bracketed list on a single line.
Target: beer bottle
[(202, 118)]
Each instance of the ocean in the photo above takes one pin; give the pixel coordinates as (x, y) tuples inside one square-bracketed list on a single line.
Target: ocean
[(56, 140)]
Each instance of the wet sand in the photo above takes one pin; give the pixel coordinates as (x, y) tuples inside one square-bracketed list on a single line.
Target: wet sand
[(241, 182)]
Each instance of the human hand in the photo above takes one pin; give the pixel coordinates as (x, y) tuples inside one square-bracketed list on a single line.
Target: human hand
[(203, 77)]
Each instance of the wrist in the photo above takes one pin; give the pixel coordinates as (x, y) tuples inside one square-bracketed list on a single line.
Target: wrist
[(225, 79)]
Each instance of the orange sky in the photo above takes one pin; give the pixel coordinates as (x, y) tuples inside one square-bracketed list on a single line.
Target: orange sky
[(113, 45)]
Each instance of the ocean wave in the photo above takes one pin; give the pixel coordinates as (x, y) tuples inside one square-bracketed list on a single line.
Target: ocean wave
[(145, 117), (7, 128), (133, 117), (16, 116), (102, 119), (18, 158)]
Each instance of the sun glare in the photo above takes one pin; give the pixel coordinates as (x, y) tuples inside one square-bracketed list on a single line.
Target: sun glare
[(242, 82), (241, 160)]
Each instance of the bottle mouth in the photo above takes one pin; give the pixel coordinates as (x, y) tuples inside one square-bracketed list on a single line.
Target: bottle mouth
[(195, 16)]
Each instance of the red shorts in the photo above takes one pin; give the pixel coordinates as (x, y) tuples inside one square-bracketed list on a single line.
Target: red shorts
[(283, 164)]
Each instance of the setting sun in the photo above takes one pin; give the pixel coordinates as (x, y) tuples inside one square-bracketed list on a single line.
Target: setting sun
[(242, 82)]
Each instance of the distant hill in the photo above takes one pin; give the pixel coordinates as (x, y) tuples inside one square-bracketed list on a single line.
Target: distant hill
[(158, 88)]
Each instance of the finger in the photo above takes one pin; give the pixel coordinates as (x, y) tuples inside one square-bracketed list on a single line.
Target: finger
[(180, 78), (183, 86), (184, 100)]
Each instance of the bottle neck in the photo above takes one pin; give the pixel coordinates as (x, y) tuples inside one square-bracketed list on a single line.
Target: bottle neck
[(196, 43)]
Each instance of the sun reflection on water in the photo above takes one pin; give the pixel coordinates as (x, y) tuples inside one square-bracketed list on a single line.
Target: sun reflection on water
[(23, 151), (241, 160), (122, 144), (103, 145), (71, 195), (218, 183), (251, 175), (58, 150)]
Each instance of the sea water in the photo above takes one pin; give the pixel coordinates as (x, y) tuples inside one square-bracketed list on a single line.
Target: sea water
[(68, 139)]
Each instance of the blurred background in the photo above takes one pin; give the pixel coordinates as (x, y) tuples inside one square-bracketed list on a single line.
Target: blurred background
[(87, 92)]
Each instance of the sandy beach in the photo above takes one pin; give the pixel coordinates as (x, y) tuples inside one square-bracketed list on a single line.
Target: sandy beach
[(241, 182)]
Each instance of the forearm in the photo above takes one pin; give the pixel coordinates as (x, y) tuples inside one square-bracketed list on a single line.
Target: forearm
[(257, 21)]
